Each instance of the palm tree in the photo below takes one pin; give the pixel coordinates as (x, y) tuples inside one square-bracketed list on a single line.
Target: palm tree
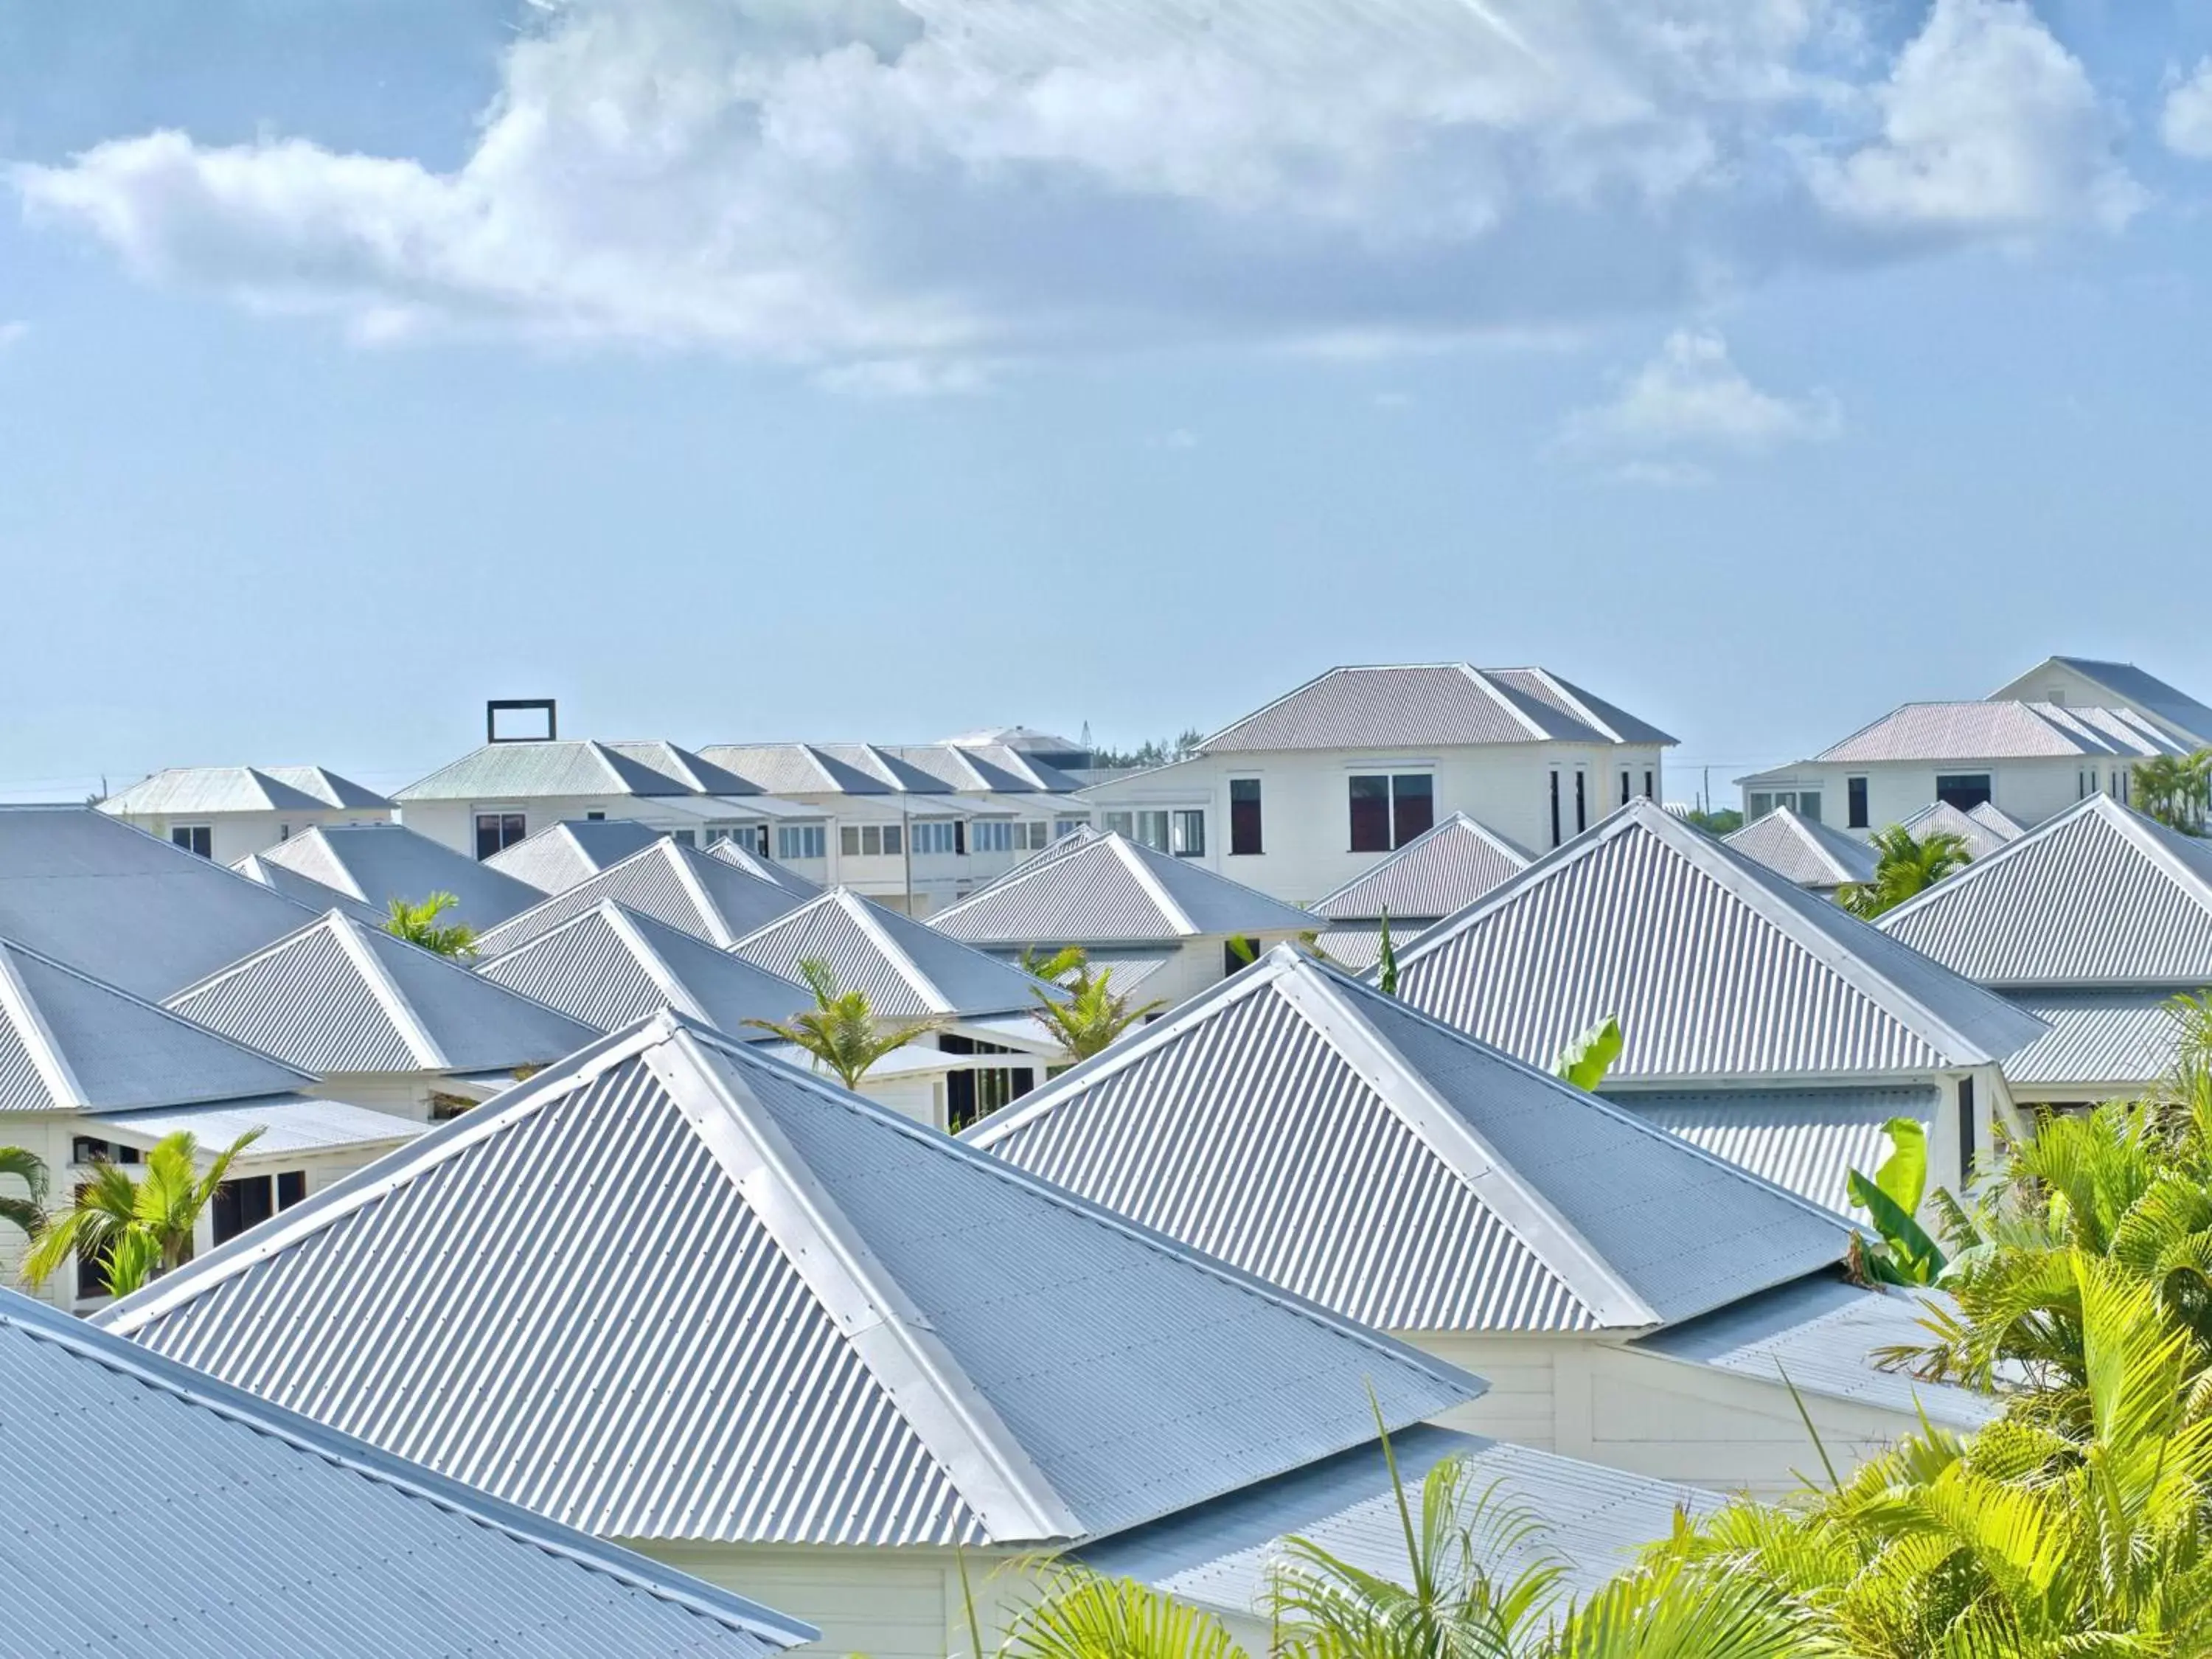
[(418, 924), (2176, 789), (136, 1229), (838, 1030), (1584, 1061), (28, 1212), (1091, 1015), (1907, 866)]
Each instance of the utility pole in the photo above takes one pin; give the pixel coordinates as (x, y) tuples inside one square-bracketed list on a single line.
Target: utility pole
[(906, 845)]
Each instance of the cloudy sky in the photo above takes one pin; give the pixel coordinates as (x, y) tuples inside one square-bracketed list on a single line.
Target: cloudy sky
[(841, 369)]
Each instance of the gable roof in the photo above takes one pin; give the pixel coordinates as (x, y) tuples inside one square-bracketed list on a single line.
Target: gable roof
[(1443, 869), (557, 857), (2101, 1043), (128, 908), (709, 898), (1097, 887), (303, 889), (2099, 896), (70, 1044), (186, 791), (373, 864), (1325, 1137), (1982, 833), (285, 1537), (575, 767), (861, 1330), (1805, 1140), (610, 966), (909, 970), (1805, 850), (1714, 966), (764, 869), (2000, 731), (1412, 705), (874, 768), (341, 996), (2123, 679)]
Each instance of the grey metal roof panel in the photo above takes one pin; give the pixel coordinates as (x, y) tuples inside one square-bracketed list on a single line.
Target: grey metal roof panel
[(707, 897), (128, 908), (1714, 966), (2100, 1041), (1108, 889), (1398, 706), (2168, 702), (696, 773), (562, 854), (611, 966), (909, 970), (1590, 1521), (340, 996), (523, 771), (2098, 895), (289, 1123), (1580, 705), (1941, 818), (1996, 731), (186, 791), (796, 768), (1821, 1335), (71, 1043), (1807, 1140), (764, 869), (1439, 873), (2002, 825), (303, 889), (1355, 947), (1324, 1137), (1805, 851), (284, 1538), (873, 1335), (377, 862)]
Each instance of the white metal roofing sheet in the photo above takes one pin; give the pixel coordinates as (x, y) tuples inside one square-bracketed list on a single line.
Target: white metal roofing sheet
[(1804, 850), (1108, 888), (557, 857), (1807, 1140), (289, 1123), (1940, 817), (1966, 732), (908, 969), (1400, 706), (377, 862), (1437, 873), (2101, 1041), (189, 791), (707, 897)]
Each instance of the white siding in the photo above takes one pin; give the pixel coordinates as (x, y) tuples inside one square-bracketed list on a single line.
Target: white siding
[(2028, 791)]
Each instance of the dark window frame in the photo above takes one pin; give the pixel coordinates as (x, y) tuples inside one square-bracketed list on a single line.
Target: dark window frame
[(1857, 815), (1410, 823), (1246, 818), (1371, 811), (1555, 806), (1964, 790), (197, 839), (499, 830)]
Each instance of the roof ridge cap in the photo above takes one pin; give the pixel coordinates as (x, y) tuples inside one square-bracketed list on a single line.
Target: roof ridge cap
[(1496, 693), (1155, 889), (907, 968), (620, 917), (46, 1050), (382, 986), (687, 878)]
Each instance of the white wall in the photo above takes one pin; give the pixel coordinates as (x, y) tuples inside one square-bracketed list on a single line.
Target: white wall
[(235, 836), (1305, 801), (2028, 791)]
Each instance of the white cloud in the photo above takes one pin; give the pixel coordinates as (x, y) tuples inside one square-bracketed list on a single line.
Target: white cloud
[(2185, 122), (877, 188), (11, 332), (1987, 124), (1691, 396)]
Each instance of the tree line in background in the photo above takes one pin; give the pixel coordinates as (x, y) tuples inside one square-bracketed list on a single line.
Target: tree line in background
[(1158, 752)]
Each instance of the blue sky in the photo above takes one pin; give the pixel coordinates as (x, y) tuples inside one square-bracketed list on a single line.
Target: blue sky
[(745, 369)]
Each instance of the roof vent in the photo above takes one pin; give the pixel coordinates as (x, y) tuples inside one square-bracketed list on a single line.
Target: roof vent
[(495, 707)]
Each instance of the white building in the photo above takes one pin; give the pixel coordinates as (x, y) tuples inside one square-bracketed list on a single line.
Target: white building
[(1431, 877), (714, 899), (1815, 855), (2065, 730), (1309, 793), (228, 812)]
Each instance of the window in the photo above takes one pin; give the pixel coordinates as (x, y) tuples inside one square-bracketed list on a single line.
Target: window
[(291, 1187), (1582, 800), (283, 832), (1555, 806), (1648, 793), (1964, 790), (1120, 824), (687, 837), (1808, 805), (1063, 827), (595, 817), (2085, 784), (801, 841), (497, 831), (894, 841), (1389, 811), (241, 1204), (1624, 786), (869, 840), (1152, 830), (1243, 817), (1187, 833), (849, 841), (1757, 806), (2120, 785), (1855, 803), (1965, 1132), (936, 837), (992, 836), (194, 838)]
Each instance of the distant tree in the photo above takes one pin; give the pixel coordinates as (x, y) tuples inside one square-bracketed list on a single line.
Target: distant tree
[(2176, 790), (1907, 866), (136, 1229), (1091, 1015), (1153, 752), (418, 924), (840, 1031), (27, 1213), (1724, 821)]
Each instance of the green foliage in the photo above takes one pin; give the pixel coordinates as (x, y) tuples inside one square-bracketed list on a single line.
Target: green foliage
[(1081, 1614), (137, 1228), (1155, 752), (27, 1211), (1584, 1061), (2176, 790), (1386, 961), (840, 1031), (1906, 865), (1906, 1254), (1722, 820), (418, 924), (1092, 1014)]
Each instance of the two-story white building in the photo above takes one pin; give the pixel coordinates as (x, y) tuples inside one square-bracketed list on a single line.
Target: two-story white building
[(229, 813), (1309, 793)]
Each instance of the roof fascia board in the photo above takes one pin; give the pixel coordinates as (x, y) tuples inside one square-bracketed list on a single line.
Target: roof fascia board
[(1496, 695), (53, 1067), (1583, 710), (1155, 889)]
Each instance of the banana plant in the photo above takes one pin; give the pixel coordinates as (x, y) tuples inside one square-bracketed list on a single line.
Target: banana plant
[(1891, 1197), (1585, 1061)]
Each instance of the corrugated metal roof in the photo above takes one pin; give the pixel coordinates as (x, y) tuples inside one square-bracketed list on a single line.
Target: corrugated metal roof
[(796, 768), (2099, 896), (2002, 825), (1437, 873), (764, 869), (1808, 1140), (186, 791), (2101, 1041), (1107, 889), (289, 1123), (280, 1537), (1315, 1132), (1413, 705), (1805, 851), (675, 1289), (707, 897), (1999, 730), (127, 908), (566, 767), (908, 970), (1821, 1335), (696, 773), (1941, 818), (303, 889), (377, 862), (2167, 702), (874, 768), (1714, 966), (612, 966), (340, 996), (69, 1044), (562, 854), (1590, 1521)]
